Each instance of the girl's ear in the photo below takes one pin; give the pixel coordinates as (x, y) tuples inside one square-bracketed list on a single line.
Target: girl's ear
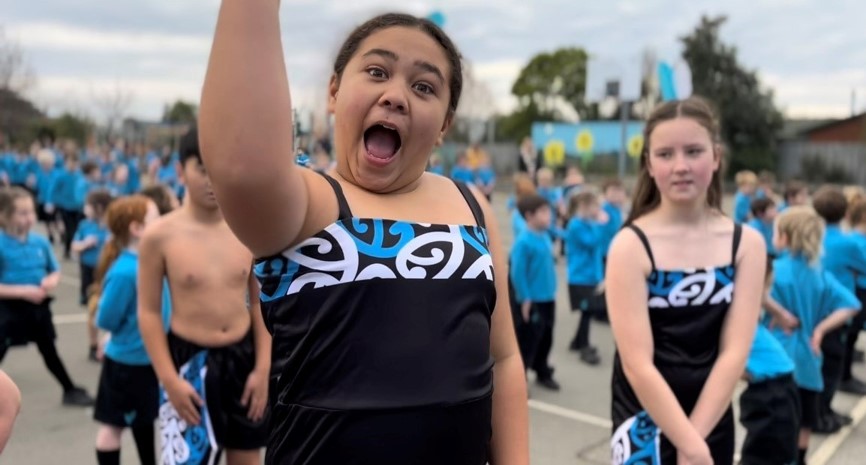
[(718, 153), (333, 88)]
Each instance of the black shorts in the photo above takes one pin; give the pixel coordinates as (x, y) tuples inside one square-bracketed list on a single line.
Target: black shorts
[(22, 322), (584, 298), (809, 407), (770, 412), (128, 395), (86, 281), (226, 370), (43, 216)]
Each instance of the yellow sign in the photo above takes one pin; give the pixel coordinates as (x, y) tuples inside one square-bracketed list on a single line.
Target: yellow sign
[(635, 145), (554, 153), (584, 142)]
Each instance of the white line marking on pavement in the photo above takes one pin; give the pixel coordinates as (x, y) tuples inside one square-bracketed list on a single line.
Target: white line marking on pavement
[(570, 414), (69, 318), (825, 452)]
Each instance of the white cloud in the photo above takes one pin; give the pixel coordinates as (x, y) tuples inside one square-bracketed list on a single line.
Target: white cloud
[(63, 37)]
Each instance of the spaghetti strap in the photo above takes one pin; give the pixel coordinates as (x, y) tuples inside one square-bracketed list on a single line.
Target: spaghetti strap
[(738, 234), (646, 245), (473, 203), (345, 211)]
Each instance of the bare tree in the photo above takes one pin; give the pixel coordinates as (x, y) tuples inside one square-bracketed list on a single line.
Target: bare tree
[(16, 74), (114, 104)]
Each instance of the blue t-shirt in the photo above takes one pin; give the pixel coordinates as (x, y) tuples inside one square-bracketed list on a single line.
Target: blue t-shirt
[(87, 228), (766, 231), (45, 181), (843, 257), (26, 261), (613, 225), (485, 176), (860, 239), (533, 269), (767, 359), (584, 254), (66, 191), (463, 174), (518, 223), (811, 294), (118, 311), (742, 207)]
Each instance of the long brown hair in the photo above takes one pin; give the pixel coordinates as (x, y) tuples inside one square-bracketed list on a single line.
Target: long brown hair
[(647, 196), (119, 216)]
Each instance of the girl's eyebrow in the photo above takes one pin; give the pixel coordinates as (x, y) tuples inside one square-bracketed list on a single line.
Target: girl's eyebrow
[(426, 66)]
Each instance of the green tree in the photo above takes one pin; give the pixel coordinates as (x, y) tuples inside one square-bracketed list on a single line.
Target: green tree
[(749, 118), (547, 82), (180, 112)]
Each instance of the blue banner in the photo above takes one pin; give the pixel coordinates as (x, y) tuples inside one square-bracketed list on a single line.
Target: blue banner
[(585, 140)]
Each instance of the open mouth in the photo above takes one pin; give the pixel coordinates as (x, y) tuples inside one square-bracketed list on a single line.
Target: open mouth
[(382, 141)]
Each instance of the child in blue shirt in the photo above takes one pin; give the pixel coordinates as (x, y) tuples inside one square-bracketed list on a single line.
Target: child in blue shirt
[(763, 215), (128, 395), (533, 274), (485, 177), (850, 384), (770, 405), (796, 194), (461, 171), (87, 243), (45, 180), (818, 301), (845, 260), (29, 273), (584, 242), (747, 186), (65, 197)]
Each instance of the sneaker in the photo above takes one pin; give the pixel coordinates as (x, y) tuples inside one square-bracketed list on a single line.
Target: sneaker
[(853, 386), (77, 397), (548, 383), (841, 418), (827, 424), (590, 356)]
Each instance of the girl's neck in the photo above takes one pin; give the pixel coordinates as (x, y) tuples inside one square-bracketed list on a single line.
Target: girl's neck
[(132, 246), (692, 214)]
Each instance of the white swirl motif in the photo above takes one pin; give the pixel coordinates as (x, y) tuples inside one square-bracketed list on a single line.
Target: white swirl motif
[(347, 267), (484, 265), (620, 444), (374, 271), (725, 294), (406, 256), (696, 288), (173, 447)]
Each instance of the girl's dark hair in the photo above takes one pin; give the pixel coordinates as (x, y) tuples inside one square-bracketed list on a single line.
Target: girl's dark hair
[(647, 196), (350, 47), (161, 196), (100, 199)]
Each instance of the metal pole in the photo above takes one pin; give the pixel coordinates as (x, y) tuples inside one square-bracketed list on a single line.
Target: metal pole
[(623, 142)]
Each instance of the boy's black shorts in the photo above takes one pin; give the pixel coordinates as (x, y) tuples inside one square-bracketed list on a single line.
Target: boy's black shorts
[(227, 369), (128, 395), (770, 412), (810, 403)]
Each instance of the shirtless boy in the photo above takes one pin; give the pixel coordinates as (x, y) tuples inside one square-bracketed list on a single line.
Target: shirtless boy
[(214, 363)]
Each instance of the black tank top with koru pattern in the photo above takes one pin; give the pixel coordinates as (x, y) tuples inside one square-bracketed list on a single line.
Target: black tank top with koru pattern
[(381, 343), (687, 309)]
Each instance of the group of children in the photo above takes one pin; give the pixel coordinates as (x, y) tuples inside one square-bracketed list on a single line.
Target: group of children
[(584, 223), (184, 339)]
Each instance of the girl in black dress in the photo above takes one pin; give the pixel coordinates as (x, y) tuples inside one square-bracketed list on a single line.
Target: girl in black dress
[(384, 287), (684, 290)]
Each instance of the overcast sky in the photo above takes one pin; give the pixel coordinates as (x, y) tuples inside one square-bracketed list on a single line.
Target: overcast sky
[(811, 52)]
